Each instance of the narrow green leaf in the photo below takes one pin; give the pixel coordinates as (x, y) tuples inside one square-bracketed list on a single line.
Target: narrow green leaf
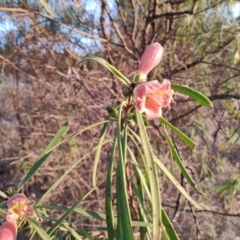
[(194, 94), (61, 132), (98, 151), (184, 137), (169, 227), (108, 194), (110, 68), (124, 228), (178, 160), (38, 229), (153, 178)]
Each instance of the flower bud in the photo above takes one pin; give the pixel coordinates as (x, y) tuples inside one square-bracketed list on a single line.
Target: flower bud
[(113, 112), (150, 59)]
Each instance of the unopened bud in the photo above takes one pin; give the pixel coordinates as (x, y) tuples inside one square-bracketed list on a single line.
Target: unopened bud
[(150, 59)]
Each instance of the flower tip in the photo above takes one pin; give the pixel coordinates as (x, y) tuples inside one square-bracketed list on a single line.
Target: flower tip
[(8, 231)]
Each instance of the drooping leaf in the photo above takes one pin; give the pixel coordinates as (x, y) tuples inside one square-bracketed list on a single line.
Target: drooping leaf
[(185, 138), (109, 67)]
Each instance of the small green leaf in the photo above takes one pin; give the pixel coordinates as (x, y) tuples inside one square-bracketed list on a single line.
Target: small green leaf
[(110, 68), (185, 138)]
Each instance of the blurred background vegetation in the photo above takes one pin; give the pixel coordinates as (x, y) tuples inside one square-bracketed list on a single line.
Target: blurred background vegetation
[(40, 89)]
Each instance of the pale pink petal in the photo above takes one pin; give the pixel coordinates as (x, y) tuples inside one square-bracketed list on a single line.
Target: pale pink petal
[(150, 59), (20, 207), (8, 231), (146, 87), (166, 84), (151, 97), (15, 199), (150, 114)]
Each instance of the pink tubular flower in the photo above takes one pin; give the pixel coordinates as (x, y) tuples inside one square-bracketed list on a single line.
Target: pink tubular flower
[(150, 97), (150, 59), (8, 231), (20, 207)]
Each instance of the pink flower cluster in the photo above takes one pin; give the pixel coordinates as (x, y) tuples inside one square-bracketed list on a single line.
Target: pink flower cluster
[(18, 207), (150, 97)]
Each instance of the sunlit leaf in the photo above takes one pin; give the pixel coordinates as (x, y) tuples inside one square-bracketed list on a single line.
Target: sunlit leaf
[(109, 67)]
